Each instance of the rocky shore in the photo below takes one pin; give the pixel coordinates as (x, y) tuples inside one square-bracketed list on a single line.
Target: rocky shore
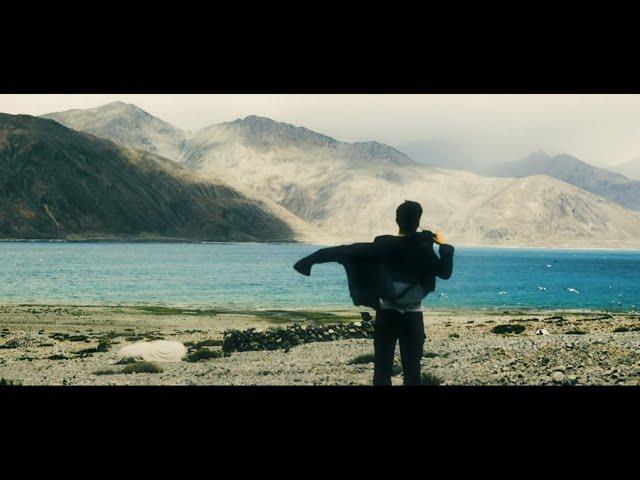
[(76, 345), (284, 338)]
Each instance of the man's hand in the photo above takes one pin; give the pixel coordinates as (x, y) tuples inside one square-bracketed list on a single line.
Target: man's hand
[(303, 266), (438, 238)]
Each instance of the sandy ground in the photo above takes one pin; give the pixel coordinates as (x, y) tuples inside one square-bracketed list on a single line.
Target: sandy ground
[(42, 345)]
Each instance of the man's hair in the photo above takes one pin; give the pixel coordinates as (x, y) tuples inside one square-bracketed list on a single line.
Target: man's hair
[(408, 216)]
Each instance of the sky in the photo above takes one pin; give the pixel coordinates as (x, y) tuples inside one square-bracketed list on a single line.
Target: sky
[(482, 129)]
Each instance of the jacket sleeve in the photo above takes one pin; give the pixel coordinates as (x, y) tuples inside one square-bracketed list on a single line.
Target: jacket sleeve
[(330, 254), (343, 254), (444, 266)]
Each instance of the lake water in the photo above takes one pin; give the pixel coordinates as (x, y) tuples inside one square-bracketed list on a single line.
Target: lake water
[(261, 275)]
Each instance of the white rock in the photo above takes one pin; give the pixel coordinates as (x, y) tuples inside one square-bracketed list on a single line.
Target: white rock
[(156, 351), (542, 331)]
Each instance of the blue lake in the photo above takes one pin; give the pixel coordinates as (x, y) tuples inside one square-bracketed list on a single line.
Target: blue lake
[(245, 275)]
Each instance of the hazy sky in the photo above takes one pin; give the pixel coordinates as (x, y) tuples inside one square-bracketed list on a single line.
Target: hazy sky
[(600, 129)]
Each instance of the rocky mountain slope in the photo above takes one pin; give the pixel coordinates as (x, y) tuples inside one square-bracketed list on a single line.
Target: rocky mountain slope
[(128, 125), (599, 181), (59, 183), (547, 212), (277, 160), (350, 191), (472, 210)]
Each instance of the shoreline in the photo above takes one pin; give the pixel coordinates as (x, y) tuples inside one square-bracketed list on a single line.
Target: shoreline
[(343, 309), (76, 345), (634, 247)]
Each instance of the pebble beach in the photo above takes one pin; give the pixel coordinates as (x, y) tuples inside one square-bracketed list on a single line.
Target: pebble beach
[(77, 345)]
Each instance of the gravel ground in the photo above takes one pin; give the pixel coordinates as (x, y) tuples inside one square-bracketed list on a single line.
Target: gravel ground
[(42, 345)]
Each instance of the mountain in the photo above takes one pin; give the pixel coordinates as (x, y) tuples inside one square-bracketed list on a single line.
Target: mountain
[(630, 169), (350, 190), (266, 134), (128, 125), (274, 159), (599, 181), (471, 209), (59, 183), (547, 212)]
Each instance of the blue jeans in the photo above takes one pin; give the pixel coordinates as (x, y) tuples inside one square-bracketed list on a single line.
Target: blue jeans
[(408, 330)]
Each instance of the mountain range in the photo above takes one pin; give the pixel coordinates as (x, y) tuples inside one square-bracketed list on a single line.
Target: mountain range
[(600, 181), (56, 182), (350, 190)]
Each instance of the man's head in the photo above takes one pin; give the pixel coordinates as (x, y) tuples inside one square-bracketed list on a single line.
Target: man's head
[(408, 216)]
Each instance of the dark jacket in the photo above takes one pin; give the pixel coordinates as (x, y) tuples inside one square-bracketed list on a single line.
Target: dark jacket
[(372, 267)]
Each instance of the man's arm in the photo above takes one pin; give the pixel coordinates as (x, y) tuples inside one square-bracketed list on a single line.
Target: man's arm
[(331, 254), (334, 254), (444, 266)]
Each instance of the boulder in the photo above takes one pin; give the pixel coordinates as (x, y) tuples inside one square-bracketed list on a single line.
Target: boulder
[(156, 351)]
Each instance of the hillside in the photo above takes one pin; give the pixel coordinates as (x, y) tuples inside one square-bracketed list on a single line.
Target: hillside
[(275, 159), (600, 181), (59, 183), (127, 125)]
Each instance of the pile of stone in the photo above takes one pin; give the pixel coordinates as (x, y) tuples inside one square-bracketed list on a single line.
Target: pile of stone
[(285, 338), (24, 340)]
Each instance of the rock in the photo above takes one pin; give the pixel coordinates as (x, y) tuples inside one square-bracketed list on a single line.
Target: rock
[(542, 331), (283, 338), (558, 377), (24, 340), (156, 351)]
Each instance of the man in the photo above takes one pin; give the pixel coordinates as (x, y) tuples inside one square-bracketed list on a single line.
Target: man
[(413, 267), (393, 275)]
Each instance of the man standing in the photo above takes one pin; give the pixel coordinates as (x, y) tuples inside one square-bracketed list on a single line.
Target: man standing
[(393, 275), (413, 266)]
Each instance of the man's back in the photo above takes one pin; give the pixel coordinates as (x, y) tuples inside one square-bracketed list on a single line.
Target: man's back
[(411, 258)]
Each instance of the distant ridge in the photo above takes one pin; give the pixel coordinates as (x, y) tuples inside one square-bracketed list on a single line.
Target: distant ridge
[(630, 169), (265, 133), (128, 125), (600, 181)]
